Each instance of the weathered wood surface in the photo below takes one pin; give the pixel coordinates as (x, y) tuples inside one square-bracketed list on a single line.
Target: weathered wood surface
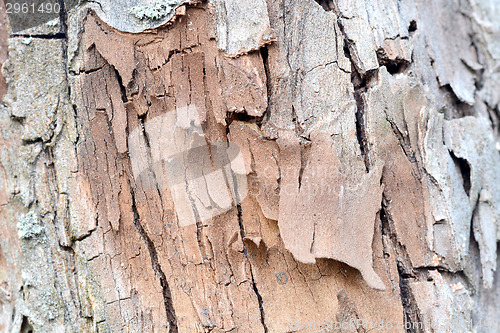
[(368, 170)]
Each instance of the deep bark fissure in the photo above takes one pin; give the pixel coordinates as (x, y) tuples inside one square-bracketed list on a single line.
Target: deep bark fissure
[(360, 84), (360, 128), (254, 285), (464, 169), (413, 320), (264, 53), (167, 294), (394, 66), (63, 19), (404, 142), (412, 316), (171, 53), (123, 89), (326, 4)]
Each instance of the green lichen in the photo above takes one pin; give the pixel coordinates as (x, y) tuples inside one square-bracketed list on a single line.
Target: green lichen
[(157, 10), (28, 226)]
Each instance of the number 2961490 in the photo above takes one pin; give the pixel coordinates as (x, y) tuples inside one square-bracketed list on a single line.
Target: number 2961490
[(32, 8)]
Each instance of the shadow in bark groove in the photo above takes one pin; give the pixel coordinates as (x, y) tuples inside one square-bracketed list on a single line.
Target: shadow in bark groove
[(167, 294), (412, 316)]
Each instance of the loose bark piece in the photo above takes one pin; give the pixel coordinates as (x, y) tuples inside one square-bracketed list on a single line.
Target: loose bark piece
[(321, 220)]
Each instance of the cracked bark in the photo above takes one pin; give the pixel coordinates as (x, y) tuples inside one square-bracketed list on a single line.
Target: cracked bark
[(364, 189), (167, 295)]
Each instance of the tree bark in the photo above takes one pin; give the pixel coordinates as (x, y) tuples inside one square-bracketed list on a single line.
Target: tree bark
[(279, 166)]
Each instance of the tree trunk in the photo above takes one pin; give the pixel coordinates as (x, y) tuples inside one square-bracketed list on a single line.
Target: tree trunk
[(289, 166)]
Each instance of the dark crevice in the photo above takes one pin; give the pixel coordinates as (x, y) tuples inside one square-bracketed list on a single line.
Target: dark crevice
[(123, 90), (167, 294), (464, 170), (93, 70), (63, 19), (360, 129), (479, 80), (264, 53), (412, 27), (32, 141), (360, 84), (199, 238), (26, 326), (254, 285), (326, 4), (295, 121), (58, 35), (199, 223), (394, 66), (494, 116), (18, 119), (412, 317), (458, 108), (242, 116)]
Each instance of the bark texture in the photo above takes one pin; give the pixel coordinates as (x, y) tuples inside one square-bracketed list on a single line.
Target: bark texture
[(364, 184)]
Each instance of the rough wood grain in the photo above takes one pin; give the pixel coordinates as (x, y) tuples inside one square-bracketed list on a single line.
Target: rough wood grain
[(363, 185)]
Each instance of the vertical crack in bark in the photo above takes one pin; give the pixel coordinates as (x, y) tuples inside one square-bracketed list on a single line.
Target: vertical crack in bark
[(254, 285), (404, 142), (360, 128), (63, 34), (123, 90), (359, 84), (359, 81), (245, 251), (167, 294), (411, 311), (412, 316), (63, 19), (464, 169), (264, 53)]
